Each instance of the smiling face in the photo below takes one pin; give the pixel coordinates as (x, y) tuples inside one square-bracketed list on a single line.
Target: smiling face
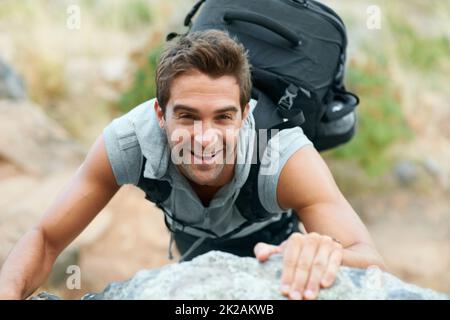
[(202, 120)]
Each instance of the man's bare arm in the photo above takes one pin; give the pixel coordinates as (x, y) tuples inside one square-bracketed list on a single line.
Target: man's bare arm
[(307, 185), (30, 262)]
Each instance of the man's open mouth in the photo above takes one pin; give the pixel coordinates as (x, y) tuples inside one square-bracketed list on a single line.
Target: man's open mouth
[(206, 157)]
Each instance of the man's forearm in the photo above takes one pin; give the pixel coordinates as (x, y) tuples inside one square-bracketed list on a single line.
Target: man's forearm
[(361, 255), (27, 266)]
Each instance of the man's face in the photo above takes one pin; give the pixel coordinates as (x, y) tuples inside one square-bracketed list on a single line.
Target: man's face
[(202, 121)]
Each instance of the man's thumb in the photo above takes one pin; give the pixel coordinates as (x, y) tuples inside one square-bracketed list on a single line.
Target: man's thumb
[(263, 251)]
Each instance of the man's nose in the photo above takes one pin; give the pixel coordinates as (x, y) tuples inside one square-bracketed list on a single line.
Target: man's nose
[(206, 136)]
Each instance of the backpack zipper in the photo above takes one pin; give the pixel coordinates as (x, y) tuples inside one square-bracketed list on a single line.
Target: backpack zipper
[(334, 19), (318, 8)]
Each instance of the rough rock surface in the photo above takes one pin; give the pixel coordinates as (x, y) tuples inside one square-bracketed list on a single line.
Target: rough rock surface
[(219, 275)]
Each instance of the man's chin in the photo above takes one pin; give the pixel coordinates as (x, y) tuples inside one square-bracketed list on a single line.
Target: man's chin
[(204, 181), (203, 177)]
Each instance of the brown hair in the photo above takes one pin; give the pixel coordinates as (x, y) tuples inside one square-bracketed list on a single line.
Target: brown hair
[(211, 52)]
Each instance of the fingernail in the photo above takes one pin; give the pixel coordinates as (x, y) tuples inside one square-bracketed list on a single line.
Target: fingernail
[(284, 288), (309, 294), (295, 295)]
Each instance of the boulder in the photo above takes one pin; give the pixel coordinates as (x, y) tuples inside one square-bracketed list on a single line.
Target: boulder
[(220, 275)]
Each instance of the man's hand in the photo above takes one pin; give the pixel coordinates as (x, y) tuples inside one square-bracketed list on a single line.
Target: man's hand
[(310, 261)]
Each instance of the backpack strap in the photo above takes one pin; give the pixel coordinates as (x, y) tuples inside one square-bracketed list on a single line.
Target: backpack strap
[(248, 201), (278, 116), (187, 21), (266, 117), (191, 14), (156, 191)]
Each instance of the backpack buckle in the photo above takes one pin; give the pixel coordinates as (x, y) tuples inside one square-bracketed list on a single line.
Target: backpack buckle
[(177, 226), (287, 100)]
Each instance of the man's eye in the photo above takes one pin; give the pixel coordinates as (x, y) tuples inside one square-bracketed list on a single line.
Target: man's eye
[(186, 116), (226, 117)]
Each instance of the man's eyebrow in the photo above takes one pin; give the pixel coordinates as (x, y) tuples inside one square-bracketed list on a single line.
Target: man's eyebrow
[(227, 109), (181, 107)]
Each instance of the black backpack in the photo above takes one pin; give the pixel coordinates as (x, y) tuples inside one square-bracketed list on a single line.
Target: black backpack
[(297, 49), (297, 52)]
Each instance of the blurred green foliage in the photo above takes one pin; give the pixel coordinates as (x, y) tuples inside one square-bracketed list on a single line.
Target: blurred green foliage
[(380, 118), (381, 122), (121, 15), (143, 86), (425, 53)]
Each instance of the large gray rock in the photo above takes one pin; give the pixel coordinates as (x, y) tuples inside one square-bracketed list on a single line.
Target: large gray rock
[(219, 275)]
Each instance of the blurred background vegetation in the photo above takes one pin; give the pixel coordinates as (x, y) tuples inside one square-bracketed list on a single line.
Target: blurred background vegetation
[(395, 171)]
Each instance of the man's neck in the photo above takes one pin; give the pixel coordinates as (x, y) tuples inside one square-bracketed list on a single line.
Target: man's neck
[(207, 192)]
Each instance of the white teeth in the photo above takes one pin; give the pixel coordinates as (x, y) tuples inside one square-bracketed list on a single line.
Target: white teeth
[(203, 156)]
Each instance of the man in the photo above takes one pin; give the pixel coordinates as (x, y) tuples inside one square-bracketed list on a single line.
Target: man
[(204, 79)]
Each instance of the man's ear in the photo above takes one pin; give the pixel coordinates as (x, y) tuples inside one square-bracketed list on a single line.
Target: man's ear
[(159, 113)]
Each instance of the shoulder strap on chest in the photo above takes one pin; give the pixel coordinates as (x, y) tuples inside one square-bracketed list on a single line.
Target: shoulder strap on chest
[(266, 118), (248, 201), (156, 191)]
